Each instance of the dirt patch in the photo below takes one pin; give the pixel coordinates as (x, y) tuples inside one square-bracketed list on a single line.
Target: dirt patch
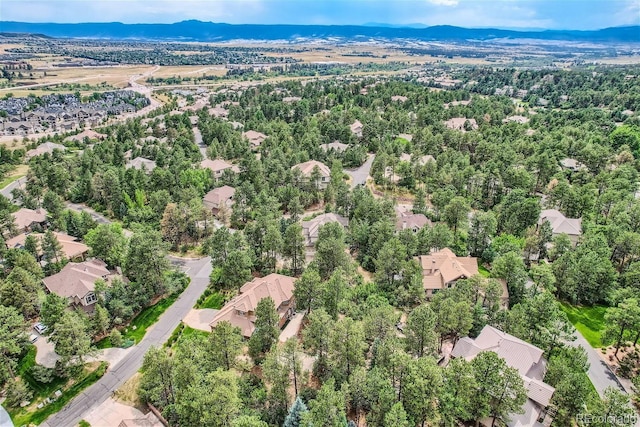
[(128, 393)]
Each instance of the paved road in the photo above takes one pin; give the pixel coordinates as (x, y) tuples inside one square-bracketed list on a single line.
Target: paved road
[(6, 191), (97, 217), (198, 137), (599, 373), (359, 176), (117, 375)]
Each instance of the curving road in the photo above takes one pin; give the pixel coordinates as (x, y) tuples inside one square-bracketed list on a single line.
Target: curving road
[(199, 271)]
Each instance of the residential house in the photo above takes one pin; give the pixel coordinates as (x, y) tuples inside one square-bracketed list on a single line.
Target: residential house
[(409, 220), (307, 170), (399, 98), (70, 247), (46, 147), (255, 138), (218, 198), (141, 163), (527, 360), (76, 282), (356, 128), (571, 165), (442, 269), (149, 420), (560, 224), (218, 166), (422, 160), (461, 124), (336, 146), (29, 219), (89, 134), (241, 310), (311, 228)]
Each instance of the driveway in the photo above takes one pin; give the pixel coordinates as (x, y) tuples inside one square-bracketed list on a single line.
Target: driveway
[(45, 352), (359, 176), (292, 328), (200, 318), (111, 413), (599, 373), (198, 270)]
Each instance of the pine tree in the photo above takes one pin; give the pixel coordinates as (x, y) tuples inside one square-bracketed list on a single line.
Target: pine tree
[(297, 411), (51, 247), (266, 328)]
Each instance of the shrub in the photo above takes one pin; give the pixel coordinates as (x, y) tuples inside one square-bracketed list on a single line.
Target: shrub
[(116, 338), (42, 374)]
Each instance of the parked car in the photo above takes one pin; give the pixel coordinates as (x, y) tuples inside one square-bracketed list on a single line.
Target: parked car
[(40, 328), (33, 338)]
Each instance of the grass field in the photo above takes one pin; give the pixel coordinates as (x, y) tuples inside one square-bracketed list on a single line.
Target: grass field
[(588, 320), (69, 388)]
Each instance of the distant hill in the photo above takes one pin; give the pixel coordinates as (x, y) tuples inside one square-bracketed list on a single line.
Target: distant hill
[(210, 32)]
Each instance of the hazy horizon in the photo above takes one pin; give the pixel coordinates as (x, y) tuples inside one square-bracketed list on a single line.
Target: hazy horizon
[(508, 14)]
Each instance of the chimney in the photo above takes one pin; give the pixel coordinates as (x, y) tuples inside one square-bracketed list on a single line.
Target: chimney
[(433, 266), (404, 224)]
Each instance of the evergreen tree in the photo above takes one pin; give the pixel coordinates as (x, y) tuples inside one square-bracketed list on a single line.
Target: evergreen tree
[(296, 414), (266, 330)]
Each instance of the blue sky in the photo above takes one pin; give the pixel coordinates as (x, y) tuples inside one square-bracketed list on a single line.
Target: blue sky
[(554, 14)]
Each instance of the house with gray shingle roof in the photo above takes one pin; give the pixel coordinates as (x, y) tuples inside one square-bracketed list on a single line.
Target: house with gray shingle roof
[(527, 360), (560, 224)]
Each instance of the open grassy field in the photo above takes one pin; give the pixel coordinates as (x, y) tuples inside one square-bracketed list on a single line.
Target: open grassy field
[(588, 320)]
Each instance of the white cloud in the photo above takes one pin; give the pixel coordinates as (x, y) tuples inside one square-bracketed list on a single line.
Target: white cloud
[(444, 2)]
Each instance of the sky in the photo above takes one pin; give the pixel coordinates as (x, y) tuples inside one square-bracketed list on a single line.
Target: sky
[(547, 14)]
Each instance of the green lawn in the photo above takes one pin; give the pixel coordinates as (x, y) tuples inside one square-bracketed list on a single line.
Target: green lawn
[(142, 321), (588, 320), (215, 300), (22, 416), (483, 271), (24, 371)]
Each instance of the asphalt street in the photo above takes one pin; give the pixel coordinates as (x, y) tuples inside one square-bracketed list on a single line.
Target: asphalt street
[(199, 271)]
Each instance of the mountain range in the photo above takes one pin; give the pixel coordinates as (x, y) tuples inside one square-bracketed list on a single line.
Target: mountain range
[(194, 30)]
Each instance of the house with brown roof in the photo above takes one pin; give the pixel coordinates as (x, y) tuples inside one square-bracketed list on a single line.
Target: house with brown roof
[(560, 224), (356, 128), (411, 221), (255, 138), (399, 98), (90, 134), (28, 219), (421, 160), (527, 360), (461, 124), (442, 269), (141, 163), (218, 166), (71, 248), (307, 170), (218, 198), (336, 146), (241, 310), (77, 281), (311, 228), (44, 148)]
